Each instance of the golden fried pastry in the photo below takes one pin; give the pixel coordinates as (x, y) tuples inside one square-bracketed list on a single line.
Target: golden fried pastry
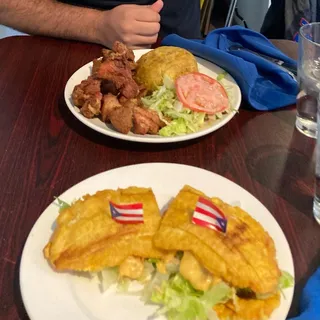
[(87, 238), (248, 309), (243, 257)]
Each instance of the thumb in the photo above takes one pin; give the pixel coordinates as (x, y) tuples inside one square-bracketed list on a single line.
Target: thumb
[(157, 6)]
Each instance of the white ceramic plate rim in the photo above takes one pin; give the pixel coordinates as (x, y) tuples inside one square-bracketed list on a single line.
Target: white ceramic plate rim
[(91, 123), (40, 296)]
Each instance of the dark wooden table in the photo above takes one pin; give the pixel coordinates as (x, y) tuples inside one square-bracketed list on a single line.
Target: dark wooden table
[(44, 150)]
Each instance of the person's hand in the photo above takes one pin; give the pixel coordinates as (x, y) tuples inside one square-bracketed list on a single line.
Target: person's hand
[(135, 25)]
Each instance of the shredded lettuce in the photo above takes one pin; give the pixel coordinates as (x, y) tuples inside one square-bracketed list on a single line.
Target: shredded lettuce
[(123, 285), (178, 119), (153, 260), (168, 82), (154, 283), (286, 280), (108, 277), (180, 301), (173, 267), (221, 76), (62, 204), (148, 270)]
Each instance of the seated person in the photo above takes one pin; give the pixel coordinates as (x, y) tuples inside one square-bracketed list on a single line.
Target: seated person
[(285, 17), (137, 23)]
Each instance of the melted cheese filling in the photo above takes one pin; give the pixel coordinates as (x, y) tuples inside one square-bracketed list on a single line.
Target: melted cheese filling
[(192, 271)]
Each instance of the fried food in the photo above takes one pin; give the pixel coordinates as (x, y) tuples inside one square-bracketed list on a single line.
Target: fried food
[(85, 90), (107, 86), (121, 119), (243, 257), (112, 94), (88, 239), (92, 106), (244, 309), (228, 276), (116, 67), (172, 62), (109, 104), (146, 121)]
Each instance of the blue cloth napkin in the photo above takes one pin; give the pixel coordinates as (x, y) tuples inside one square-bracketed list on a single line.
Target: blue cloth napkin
[(263, 84), (310, 299)]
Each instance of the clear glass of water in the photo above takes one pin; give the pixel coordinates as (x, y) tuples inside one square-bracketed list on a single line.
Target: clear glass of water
[(316, 200), (308, 79)]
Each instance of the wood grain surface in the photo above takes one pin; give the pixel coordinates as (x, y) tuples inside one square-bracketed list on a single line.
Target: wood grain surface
[(44, 150)]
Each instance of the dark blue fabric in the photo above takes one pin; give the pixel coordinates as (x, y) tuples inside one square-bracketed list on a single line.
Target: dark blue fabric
[(310, 300), (263, 84)]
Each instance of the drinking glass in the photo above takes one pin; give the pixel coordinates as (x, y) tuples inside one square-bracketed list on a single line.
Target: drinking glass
[(316, 200), (308, 79)]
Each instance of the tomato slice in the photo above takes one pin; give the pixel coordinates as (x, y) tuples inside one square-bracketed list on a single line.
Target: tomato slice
[(199, 92)]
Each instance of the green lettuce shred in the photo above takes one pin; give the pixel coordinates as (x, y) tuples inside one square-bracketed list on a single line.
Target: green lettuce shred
[(221, 76), (286, 280), (153, 261), (178, 120), (62, 204), (180, 301), (123, 285)]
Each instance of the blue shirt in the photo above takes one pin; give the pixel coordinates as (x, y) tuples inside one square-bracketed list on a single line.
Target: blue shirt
[(177, 16)]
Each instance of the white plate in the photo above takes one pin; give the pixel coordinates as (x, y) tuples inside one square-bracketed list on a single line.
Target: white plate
[(50, 295), (205, 67)]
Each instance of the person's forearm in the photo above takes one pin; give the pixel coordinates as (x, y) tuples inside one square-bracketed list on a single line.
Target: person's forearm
[(52, 18)]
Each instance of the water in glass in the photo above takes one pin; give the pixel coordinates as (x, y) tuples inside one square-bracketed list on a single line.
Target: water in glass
[(316, 200), (309, 84)]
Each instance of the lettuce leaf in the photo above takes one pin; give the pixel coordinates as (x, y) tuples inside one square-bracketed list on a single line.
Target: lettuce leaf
[(180, 301), (62, 204), (108, 277), (286, 280), (178, 120), (221, 76), (123, 285)]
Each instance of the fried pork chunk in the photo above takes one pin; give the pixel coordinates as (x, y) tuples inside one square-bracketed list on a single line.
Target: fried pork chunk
[(92, 106), (121, 119), (120, 52), (108, 86), (130, 116), (112, 93), (110, 102), (85, 90), (123, 50), (115, 71), (145, 121), (116, 67)]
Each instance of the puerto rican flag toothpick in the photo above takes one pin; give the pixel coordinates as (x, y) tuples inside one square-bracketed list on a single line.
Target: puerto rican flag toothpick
[(206, 214), (127, 213)]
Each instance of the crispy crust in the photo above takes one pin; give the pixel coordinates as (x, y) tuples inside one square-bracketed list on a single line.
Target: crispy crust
[(244, 257), (88, 239), (166, 60), (242, 309)]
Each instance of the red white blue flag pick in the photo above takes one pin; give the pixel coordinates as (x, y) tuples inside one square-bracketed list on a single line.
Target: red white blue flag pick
[(127, 213), (206, 214)]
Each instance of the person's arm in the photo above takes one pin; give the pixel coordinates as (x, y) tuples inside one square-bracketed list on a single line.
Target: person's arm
[(51, 18), (134, 25)]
